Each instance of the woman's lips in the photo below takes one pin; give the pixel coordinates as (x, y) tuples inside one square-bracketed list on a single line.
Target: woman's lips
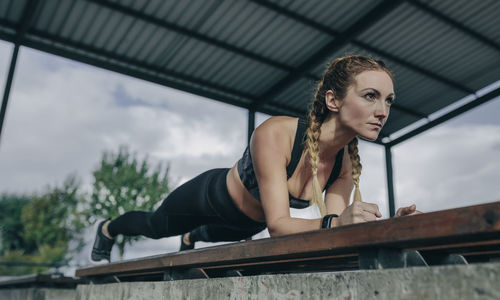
[(376, 124)]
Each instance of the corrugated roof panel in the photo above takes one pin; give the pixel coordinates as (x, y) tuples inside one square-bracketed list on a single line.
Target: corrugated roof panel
[(482, 78), (217, 23), (73, 18), (142, 37), (97, 26), (61, 17), (160, 51), (213, 55), (14, 10), (475, 58), (150, 42), (104, 32), (131, 37), (300, 91), (267, 77), (144, 40), (81, 23), (4, 9), (47, 10), (432, 51), (337, 15), (185, 54), (260, 83), (480, 16)]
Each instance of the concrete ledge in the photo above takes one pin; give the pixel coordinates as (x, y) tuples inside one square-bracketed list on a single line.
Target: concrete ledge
[(478, 281), (38, 294)]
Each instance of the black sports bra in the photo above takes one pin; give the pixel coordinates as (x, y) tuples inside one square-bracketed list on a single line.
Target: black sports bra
[(247, 174)]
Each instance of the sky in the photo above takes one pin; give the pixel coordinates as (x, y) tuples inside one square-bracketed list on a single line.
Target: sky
[(63, 114)]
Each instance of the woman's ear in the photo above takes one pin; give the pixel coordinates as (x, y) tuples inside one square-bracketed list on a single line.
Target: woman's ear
[(331, 101)]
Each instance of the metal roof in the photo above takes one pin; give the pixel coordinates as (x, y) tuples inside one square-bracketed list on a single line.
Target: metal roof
[(266, 55)]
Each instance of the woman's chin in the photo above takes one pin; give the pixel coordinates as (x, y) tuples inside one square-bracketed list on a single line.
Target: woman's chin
[(370, 137)]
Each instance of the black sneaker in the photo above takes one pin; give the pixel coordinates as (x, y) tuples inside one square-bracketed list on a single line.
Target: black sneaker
[(101, 251), (185, 246)]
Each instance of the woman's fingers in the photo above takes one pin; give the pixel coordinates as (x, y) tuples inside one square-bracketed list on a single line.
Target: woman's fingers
[(407, 211), (371, 208)]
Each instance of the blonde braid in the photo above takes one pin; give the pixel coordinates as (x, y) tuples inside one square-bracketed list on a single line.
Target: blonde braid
[(356, 167), (313, 133)]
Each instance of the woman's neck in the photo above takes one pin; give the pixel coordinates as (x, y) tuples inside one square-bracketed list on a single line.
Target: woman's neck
[(333, 136)]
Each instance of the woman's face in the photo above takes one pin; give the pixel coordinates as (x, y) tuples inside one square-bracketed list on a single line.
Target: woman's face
[(366, 106)]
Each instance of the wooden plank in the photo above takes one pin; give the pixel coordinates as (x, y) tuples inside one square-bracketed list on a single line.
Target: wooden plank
[(442, 228)]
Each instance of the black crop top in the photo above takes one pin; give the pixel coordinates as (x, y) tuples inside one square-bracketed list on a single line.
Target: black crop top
[(247, 174)]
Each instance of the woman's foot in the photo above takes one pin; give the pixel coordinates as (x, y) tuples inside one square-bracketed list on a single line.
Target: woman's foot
[(186, 244), (101, 251)]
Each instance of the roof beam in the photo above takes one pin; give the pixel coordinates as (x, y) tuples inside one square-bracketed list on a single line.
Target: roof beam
[(483, 99), (219, 93), (340, 40), (472, 33), (196, 35)]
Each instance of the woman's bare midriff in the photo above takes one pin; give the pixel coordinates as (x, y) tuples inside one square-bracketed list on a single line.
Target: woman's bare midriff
[(242, 198)]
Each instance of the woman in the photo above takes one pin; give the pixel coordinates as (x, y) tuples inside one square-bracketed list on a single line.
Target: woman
[(288, 160)]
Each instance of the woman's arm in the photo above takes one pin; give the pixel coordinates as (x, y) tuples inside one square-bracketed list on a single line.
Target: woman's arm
[(338, 194), (270, 146)]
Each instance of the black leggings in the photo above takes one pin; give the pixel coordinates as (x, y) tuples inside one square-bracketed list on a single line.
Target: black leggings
[(201, 206)]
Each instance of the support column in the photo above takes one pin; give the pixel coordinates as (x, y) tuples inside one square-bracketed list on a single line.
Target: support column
[(390, 183), (8, 85), (251, 124)]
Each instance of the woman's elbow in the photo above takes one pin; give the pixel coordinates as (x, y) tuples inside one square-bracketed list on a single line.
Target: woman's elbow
[(276, 227)]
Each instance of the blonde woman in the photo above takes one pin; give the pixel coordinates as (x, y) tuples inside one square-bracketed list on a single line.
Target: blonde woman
[(290, 163)]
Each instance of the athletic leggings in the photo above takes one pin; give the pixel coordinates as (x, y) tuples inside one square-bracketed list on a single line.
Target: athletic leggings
[(201, 206)]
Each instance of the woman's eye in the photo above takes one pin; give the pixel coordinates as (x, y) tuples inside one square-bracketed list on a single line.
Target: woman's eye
[(390, 101), (370, 96)]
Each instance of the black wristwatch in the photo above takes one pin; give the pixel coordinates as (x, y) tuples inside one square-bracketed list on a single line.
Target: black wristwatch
[(327, 220)]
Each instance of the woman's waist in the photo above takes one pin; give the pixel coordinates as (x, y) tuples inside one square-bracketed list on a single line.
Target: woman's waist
[(242, 197)]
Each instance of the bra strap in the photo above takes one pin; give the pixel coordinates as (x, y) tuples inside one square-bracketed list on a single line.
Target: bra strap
[(336, 168), (298, 146)]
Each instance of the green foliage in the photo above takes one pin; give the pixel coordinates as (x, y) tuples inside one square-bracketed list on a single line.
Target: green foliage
[(11, 226), (52, 218), (47, 254), (42, 228), (123, 183)]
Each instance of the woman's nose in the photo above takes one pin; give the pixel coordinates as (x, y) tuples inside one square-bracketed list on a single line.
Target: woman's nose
[(382, 110)]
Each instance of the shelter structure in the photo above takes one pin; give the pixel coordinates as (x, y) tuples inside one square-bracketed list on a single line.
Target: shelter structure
[(265, 55)]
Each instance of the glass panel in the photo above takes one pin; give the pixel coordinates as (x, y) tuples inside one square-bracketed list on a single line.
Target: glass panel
[(453, 165)]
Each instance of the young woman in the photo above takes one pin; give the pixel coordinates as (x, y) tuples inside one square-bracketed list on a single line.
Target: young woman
[(289, 163)]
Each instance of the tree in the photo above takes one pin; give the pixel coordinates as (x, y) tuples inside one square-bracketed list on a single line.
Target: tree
[(123, 183), (53, 219), (47, 228), (11, 226)]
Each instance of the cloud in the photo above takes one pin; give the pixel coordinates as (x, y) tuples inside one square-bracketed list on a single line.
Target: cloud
[(450, 166), (60, 119)]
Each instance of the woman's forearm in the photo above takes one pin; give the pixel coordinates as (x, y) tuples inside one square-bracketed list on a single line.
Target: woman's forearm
[(289, 225)]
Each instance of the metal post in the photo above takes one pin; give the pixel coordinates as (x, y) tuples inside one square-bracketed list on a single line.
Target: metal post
[(390, 185), (6, 92), (251, 123)]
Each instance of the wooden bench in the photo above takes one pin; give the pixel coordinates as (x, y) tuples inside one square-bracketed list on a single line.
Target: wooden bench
[(441, 237)]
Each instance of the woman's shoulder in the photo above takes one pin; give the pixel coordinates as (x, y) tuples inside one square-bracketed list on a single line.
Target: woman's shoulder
[(279, 124), (278, 129)]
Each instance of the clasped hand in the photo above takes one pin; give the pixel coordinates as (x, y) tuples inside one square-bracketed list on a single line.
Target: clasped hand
[(359, 212)]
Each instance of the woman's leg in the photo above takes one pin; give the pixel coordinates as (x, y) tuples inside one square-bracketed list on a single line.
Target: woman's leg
[(184, 209)]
